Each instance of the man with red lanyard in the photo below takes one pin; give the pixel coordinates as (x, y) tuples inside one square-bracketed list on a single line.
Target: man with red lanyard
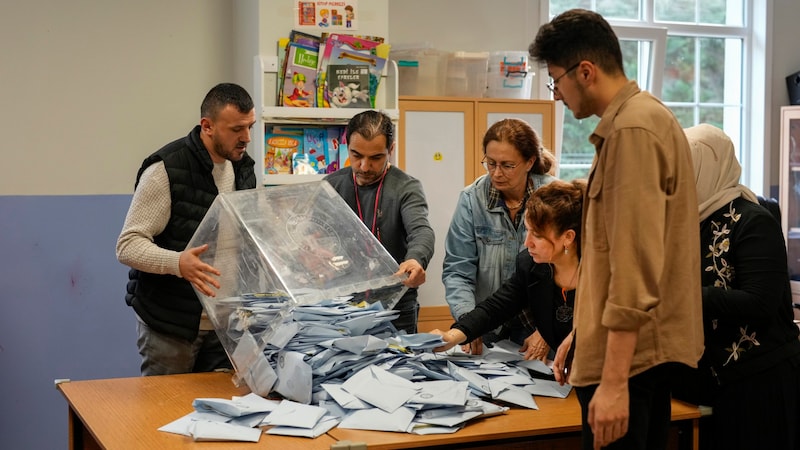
[(390, 202)]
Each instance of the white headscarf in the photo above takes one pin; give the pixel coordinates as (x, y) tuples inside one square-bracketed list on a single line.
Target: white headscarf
[(716, 170)]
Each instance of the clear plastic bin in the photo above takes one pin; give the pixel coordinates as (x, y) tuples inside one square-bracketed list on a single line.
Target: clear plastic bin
[(280, 247), (466, 74), (422, 71), (509, 75)]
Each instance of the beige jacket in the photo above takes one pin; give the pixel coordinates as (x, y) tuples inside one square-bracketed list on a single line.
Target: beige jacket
[(640, 265)]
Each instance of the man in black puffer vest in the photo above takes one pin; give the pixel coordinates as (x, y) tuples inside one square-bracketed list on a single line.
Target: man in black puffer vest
[(174, 189)]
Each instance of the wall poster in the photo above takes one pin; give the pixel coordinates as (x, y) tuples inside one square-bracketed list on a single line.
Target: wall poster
[(326, 15)]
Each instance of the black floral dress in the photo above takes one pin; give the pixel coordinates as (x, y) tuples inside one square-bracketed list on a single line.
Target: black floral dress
[(750, 370)]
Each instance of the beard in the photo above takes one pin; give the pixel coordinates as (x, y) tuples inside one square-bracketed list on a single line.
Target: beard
[(584, 107), (365, 178), (234, 154)]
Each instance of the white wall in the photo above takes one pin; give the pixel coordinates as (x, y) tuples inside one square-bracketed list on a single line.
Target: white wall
[(465, 25), (90, 87)]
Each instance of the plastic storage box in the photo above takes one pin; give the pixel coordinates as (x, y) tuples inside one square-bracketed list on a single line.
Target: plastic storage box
[(466, 74), (509, 75), (280, 247), (422, 71)]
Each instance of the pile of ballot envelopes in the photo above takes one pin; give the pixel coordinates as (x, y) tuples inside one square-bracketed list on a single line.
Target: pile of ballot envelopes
[(304, 312), (338, 364)]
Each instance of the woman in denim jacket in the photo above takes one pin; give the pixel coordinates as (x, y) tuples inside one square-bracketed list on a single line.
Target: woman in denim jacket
[(487, 230)]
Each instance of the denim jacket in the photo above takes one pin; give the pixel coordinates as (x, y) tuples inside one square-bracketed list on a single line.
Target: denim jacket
[(481, 246)]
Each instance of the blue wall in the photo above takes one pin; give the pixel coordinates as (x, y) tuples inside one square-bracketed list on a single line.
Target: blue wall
[(62, 309)]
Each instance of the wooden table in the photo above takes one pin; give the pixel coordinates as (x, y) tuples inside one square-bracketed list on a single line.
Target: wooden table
[(126, 413)]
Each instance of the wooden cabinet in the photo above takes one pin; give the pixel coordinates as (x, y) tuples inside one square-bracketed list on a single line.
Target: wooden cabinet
[(440, 143)]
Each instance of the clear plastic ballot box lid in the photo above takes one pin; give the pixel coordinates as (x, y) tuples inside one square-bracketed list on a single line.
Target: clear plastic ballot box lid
[(280, 247)]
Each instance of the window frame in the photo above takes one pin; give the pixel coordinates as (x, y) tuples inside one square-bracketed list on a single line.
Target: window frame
[(754, 103)]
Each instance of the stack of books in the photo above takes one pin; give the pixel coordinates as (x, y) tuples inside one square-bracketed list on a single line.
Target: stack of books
[(332, 71)]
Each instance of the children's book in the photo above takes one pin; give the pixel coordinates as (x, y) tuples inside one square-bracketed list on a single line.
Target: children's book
[(333, 140), (309, 40), (302, 165), (344, 153), (298, 37), (314, 148), (278, 152), (348, 86), (344, 55), (356, 48), (301, 73), (283, 43)]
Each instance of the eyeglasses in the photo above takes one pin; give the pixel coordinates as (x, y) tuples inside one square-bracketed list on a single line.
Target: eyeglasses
[(553, 84), (490, 166)]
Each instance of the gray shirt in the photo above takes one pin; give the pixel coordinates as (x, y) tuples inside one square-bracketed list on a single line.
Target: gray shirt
[(402, 225)]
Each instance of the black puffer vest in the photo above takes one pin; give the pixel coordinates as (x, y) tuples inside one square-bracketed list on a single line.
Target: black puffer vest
[(167, 303)]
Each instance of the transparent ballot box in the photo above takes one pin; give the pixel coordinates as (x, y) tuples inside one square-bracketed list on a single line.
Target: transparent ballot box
[(279, 248)]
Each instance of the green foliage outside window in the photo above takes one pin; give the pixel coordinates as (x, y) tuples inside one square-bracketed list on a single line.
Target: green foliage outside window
[(695, 69)]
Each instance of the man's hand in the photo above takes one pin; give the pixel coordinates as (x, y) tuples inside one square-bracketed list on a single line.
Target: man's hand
[(535, 347), (416, 274), (608, 414), (561, 364), (609, 409), (197, 272)]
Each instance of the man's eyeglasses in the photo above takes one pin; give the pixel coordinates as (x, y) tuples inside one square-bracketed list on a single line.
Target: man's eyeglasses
[(490, 166), (553, 84)]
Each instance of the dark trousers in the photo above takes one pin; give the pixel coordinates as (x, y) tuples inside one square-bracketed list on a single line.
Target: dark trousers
[(649, 411), (755, 412), (409, 310)]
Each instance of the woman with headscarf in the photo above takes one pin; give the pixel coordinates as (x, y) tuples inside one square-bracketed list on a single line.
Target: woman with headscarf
[(750, 371)]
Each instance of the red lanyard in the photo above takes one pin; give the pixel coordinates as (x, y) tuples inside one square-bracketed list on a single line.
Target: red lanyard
[(375, 231)]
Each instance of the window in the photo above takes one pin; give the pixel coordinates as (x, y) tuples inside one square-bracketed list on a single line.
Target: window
[(689, 53)]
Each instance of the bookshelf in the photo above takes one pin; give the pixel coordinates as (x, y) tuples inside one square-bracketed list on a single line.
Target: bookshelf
[(264, 94)]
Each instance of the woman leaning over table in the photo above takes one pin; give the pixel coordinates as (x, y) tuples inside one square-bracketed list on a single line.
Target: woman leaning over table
[(546, 273), (487, 231), (750, 370)]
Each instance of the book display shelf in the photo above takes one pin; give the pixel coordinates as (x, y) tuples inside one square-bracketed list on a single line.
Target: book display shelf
[(265, 94)]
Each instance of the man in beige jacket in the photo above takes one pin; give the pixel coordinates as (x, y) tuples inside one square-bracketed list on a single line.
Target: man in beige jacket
[(638, 307)]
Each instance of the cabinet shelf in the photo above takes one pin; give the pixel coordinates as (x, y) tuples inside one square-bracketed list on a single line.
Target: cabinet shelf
[(332, 116)]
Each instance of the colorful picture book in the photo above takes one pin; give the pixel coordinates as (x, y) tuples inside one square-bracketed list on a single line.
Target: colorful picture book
[(297, 37), (314, 148), (299, 83), (301, 86), (339, 49), (334, 148), (348, 86), (279, 149), (303, 150)]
